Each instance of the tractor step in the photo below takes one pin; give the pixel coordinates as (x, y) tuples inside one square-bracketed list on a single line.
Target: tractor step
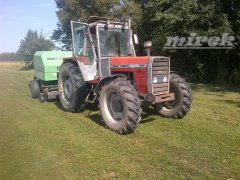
[(91, 98)]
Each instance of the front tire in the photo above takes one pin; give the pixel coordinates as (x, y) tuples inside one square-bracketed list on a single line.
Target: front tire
[(181, 105), (72, 88), (120, 106)]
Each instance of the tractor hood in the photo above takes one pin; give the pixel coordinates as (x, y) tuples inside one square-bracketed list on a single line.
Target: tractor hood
[(136, 65), (129, 62)]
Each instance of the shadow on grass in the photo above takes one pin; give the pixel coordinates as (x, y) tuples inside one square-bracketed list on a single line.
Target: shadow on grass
[(215, 88), (232, 102), (92, 107), (88, 107), (97, 118), (147, 112), (58, 104), (27, 67), (146, 119)]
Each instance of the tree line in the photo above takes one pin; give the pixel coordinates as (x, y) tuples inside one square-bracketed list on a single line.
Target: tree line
[(32, 42), (156, 20), (8, 56)]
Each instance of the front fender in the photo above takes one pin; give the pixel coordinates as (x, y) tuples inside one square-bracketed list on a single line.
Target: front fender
[(102, 81)]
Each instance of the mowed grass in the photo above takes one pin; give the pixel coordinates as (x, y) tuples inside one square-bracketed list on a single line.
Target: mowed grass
[(41, 141)]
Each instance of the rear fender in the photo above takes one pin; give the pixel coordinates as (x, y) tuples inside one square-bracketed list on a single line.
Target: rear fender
[(70, 60), (102, 81)]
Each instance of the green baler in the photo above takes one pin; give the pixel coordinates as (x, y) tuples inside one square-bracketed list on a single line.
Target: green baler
[(46, 68)]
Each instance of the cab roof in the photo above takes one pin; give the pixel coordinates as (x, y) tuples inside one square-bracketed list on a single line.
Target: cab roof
[(93, 19)]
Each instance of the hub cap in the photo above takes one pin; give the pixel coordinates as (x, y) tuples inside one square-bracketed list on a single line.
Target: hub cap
[(115, 106), (67, 89)]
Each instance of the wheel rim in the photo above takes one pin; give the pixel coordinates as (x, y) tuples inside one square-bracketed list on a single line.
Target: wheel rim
[(114, 104), (169, 105), (67, 89)]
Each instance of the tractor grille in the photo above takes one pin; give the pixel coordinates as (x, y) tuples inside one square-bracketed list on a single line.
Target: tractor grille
[(160, 72), (104, 67)]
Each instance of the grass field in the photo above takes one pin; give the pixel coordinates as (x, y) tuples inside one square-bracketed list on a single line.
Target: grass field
[(10, 64), (41, 141)]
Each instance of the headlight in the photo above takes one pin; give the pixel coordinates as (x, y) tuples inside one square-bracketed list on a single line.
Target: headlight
[(160, 79), (155, 80), (165, 79)]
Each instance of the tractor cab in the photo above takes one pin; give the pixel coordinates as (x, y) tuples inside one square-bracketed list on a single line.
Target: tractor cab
[(97, 41), (101, 38)]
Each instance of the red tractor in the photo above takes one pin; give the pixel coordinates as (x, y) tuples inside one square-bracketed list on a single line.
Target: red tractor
[(106, 68)]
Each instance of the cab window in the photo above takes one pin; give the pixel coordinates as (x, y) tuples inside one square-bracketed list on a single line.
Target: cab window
[(82, 43)]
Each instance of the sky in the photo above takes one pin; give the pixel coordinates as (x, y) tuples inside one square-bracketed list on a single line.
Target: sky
[(18, 16)]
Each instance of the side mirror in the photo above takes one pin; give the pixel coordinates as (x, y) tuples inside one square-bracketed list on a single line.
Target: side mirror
[(135, 37)]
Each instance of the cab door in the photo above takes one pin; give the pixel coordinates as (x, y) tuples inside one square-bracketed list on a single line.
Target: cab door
[(83, 50)]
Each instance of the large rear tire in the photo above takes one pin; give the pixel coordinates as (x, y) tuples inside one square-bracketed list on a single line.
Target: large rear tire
[(34, 89), (181, 105), (72, 88), (120, 106)]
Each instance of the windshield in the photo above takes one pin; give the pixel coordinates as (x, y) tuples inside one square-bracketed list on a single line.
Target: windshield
[(115, 42)]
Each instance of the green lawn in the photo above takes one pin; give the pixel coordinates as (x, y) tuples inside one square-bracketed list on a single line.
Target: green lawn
[(40, 140)]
